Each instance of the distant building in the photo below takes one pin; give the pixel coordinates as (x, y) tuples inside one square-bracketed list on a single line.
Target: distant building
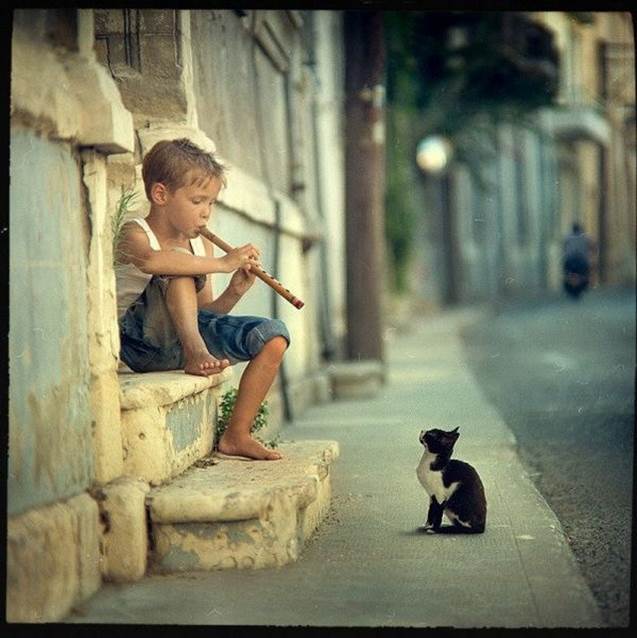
[(502, 235)]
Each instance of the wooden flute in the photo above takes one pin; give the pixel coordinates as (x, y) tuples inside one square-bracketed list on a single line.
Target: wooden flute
[(259, 272)]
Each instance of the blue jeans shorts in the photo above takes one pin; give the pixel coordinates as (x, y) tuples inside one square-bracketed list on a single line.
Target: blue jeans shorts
[(149, 342)]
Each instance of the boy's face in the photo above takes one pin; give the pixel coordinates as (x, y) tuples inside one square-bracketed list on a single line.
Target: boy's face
[(189, 207)]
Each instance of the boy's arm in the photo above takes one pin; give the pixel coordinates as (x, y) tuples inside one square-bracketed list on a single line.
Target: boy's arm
[(134, 248)]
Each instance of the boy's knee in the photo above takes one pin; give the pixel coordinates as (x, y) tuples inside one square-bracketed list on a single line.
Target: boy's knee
[(273, 351), (277, 346), (277, 338)]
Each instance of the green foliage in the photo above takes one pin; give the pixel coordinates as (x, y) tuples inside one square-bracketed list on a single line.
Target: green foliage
[(455, 67), (228, 401), (400, 216), (124, 204), (400, 207)]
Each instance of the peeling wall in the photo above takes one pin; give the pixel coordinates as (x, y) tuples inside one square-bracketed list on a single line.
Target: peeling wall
[(50, 454)]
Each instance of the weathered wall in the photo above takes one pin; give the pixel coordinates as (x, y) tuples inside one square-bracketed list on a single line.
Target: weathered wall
[(50, 455), (329, 100), (250, 110), (499, 226), (140, 50), (64, 427)]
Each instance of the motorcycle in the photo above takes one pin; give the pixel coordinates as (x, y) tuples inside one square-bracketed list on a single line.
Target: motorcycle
[(576, 276)]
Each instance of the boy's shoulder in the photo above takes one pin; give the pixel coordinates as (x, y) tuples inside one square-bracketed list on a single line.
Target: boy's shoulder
[(133, 231), (133, 239)]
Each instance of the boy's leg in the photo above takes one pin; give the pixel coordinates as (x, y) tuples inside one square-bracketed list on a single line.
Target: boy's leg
[(254, 385), (181, 302)]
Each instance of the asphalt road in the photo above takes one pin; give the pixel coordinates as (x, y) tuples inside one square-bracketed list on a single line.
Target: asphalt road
[(562, 375)]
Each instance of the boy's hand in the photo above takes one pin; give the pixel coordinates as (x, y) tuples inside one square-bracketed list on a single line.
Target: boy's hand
[(242, 280), (241, 257)]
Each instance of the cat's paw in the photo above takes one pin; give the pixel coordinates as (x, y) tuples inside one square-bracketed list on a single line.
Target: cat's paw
[(428, 528)]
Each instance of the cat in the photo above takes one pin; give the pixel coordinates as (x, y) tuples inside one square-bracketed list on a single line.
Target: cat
[(454, 487)]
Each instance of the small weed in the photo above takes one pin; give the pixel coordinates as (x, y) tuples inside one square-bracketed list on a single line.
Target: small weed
[(228, 401), (124, 204)]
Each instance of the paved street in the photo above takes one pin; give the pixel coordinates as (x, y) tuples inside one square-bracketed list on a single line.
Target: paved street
[(561, 374), (369, 565)]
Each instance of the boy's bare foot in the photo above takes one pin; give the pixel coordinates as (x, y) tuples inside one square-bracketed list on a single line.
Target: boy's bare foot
[(202, 363), (246, 446)]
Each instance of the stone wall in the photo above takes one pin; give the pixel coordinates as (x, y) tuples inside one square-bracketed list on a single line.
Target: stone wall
[(67, 117), (50, 438)]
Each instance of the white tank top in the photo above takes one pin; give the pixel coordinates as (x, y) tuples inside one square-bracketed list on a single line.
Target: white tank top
[(130, 281)]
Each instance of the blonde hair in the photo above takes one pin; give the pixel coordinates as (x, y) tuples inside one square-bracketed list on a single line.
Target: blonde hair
[(168, 162)]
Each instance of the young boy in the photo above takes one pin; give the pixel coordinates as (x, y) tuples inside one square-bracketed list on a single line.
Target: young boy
[(167, 315)]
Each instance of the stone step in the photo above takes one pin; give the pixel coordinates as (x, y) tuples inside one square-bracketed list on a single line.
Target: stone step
[(356, 379), (223, 514), (168, 421)]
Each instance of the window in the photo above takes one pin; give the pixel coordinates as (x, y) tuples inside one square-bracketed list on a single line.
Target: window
[(117, 39)]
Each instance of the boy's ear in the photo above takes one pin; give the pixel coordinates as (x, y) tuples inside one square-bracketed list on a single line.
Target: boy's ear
[(158, 193)]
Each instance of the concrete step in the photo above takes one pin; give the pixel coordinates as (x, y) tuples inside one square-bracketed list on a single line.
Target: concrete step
[(356, 379), (223, 514), (168, 421)]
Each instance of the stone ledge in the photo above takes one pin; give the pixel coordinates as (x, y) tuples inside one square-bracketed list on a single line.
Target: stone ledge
[(242, 514), (77, 99), (231, 490), (152, 389), (356, 379), (167, 421)]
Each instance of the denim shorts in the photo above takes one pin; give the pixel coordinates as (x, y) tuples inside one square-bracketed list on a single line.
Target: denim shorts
[(149, 342)]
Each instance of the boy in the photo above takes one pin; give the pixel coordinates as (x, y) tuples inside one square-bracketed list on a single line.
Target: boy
[(167, 315)]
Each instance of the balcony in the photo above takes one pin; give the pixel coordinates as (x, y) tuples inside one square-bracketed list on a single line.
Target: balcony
[(577, 122)]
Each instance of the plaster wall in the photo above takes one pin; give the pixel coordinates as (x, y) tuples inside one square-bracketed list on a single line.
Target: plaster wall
[(240, 96), (50, 453)]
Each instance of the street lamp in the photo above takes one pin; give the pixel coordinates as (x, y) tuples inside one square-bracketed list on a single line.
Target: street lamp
[(433, 154)]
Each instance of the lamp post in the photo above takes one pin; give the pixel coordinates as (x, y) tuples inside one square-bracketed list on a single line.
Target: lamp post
[(433, 156)]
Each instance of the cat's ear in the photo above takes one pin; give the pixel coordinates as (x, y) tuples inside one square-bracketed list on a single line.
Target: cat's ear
[(455, 432)]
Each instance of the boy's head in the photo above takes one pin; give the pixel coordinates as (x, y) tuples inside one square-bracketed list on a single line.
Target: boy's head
[(178, 163)]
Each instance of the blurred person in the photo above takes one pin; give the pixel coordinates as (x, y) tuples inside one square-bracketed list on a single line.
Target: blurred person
[(579, 256)]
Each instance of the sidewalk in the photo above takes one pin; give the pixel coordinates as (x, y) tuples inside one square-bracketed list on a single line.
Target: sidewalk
[(368, 565)]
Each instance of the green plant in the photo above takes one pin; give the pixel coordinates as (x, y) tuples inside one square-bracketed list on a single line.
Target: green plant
[(227, 404), (119, 218)]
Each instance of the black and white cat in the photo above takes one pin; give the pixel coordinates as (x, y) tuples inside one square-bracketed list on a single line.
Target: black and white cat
[(454, 487)]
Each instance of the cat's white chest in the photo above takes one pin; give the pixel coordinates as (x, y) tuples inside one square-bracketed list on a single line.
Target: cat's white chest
[(432, 480)]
